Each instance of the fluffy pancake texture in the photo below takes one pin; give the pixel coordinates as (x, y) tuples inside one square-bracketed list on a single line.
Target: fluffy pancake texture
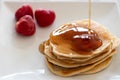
[(63, 61)]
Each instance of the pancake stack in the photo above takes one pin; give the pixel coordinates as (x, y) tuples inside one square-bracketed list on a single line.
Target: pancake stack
[(63, 61)]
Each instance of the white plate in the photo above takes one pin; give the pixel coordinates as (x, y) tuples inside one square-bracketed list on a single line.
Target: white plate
[(19, 56)]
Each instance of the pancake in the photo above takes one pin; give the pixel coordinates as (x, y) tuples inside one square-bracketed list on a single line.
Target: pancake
[(99, 67), (61, 71), (68, 65), (48, 52), (63, 51)]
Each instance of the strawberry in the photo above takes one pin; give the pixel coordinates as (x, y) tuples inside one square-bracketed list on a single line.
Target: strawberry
[(44, 17), (25, 26), (25, 9)]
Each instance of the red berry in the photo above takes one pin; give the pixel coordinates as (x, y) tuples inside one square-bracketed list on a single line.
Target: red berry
[(23, 10), (44, 17), (25, 26)]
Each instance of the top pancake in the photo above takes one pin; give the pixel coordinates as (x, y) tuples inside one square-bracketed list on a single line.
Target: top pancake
[(63, 51)]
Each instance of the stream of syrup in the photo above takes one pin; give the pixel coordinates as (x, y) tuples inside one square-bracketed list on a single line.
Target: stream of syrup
[(89, 13), (79, 37)]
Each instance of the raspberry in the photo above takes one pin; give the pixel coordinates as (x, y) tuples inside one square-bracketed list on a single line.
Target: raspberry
[(25, 26), (23, 10), (44, 17)]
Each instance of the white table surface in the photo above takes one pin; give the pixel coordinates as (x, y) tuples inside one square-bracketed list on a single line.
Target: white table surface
[(117, 1), (65, 0)]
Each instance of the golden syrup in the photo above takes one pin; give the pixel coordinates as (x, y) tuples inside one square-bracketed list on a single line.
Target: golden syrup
[(89, 13), (79, 39)]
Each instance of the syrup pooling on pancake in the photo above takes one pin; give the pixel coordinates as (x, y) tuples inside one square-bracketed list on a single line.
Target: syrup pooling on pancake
[(79, 38)]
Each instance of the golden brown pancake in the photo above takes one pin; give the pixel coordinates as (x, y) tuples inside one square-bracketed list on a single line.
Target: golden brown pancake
[(48, 52), (61, 71), (68, 65), (63, 51), (99, 67)]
